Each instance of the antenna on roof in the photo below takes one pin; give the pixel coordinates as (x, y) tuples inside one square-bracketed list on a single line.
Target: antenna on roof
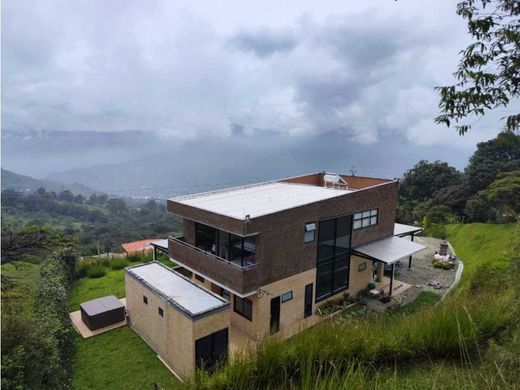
[(353, 170)]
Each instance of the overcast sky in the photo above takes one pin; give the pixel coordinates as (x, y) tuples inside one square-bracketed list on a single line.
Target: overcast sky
[(193, 68)]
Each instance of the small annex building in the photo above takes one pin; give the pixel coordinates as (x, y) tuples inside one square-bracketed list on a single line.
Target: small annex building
[(186, 325)]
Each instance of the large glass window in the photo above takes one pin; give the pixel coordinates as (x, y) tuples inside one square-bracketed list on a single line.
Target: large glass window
[(239, 250), (333, 256), (206, 238)]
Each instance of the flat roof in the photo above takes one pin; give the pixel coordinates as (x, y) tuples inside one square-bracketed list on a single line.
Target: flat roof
[(181, 293), (161, 243), (389, 250), (403, 230), (260, 199)]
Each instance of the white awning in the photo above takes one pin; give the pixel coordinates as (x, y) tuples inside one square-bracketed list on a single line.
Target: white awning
[(401, 230), (161, 244), (389, 250)]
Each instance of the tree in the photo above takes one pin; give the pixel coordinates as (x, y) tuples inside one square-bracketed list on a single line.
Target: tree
[(117, 207), (66, 195), (501, 154), (499, 202), (488, 75), (79, 199), (425, 178)]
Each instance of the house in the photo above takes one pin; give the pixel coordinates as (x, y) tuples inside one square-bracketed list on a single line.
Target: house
[(277, 250), (141, 246)]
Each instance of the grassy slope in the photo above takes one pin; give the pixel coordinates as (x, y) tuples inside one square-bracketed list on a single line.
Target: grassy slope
[(476, 244), (481, 244), (85, 289)]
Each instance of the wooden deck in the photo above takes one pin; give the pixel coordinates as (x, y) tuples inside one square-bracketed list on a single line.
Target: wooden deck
[(84, 331)]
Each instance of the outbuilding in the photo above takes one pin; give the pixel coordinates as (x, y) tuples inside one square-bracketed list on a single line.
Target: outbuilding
[(186, 325)]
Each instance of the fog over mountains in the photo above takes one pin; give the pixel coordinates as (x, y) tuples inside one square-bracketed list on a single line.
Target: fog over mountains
[(144, 163)]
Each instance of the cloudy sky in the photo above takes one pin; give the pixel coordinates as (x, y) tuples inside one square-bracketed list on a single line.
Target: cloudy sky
[(196, 68)]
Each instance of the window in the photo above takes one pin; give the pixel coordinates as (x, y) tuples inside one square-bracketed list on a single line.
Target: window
[(206, 238), (362, 266), (211, 349), (239, 250), (310, 229), (332, 269), (161, 312), (145, 299), (287, 296), (225, 294), (244, 307), (365, 219), (199, 278)]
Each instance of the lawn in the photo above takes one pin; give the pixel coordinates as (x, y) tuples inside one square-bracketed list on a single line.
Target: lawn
[(113, 283), (24, 279), (118, 359), (85, 289)]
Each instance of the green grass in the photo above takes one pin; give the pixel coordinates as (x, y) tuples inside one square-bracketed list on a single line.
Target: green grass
[(85, 289), (481, 244), (118, 359), (432, 346), (424, 299)]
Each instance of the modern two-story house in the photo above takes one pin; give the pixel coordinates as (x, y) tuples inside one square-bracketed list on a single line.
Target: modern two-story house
[(276, 250)]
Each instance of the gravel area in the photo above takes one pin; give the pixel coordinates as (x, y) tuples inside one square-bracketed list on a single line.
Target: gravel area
[(422, 274)]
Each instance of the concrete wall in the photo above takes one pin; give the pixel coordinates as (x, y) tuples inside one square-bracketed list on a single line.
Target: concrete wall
[(173, 336)]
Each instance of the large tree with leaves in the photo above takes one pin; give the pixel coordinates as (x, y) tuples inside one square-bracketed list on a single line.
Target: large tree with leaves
[(488, 75)]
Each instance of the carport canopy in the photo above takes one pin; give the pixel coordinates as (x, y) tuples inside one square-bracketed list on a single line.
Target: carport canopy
[(401, 230), (388, 250)]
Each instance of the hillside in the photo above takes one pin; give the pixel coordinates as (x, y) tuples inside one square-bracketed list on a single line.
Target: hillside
[(23, 183)]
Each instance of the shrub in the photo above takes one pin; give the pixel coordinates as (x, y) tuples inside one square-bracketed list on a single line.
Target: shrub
[(436, 230), (118, 263), (96, 271), (138, 257)]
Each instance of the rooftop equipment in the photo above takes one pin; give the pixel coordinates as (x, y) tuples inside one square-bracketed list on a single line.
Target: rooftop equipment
[(333, 180)]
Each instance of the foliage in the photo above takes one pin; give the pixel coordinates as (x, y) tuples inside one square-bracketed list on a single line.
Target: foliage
[(488, 73), (37, 345), (29, 241), (96, 271), (498, 155), (419, 184), (336, 304), (99, 224), (500, 201), (118, 263), (437, 230)]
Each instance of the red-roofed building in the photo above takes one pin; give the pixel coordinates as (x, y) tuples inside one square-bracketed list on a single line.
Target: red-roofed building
[(141, 246)]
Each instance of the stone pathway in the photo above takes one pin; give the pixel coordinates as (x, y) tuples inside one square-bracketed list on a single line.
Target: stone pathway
[(422, 274)]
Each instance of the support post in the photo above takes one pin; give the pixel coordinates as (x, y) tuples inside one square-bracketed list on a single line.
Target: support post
[(410, 258), (391, 280), (154, 253)]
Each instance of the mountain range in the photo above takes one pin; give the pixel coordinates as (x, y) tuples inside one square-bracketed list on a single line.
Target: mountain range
[(142, 164)]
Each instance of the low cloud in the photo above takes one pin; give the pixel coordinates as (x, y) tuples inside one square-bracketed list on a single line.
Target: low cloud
[(189, 73)]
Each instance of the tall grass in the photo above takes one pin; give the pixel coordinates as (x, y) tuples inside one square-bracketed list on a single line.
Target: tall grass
[(454, 330)]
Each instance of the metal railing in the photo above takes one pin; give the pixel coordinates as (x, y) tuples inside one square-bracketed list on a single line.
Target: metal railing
[(180, 240)]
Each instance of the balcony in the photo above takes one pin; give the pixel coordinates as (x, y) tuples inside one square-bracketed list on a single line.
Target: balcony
[(240, 279)]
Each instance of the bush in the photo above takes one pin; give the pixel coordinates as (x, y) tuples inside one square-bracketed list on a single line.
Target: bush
[(138, 257), (96, 271), (118, 263), (436, 230)]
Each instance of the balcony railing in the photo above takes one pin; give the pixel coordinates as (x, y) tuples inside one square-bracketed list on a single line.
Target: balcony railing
[(237, 278), (181, 241)]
